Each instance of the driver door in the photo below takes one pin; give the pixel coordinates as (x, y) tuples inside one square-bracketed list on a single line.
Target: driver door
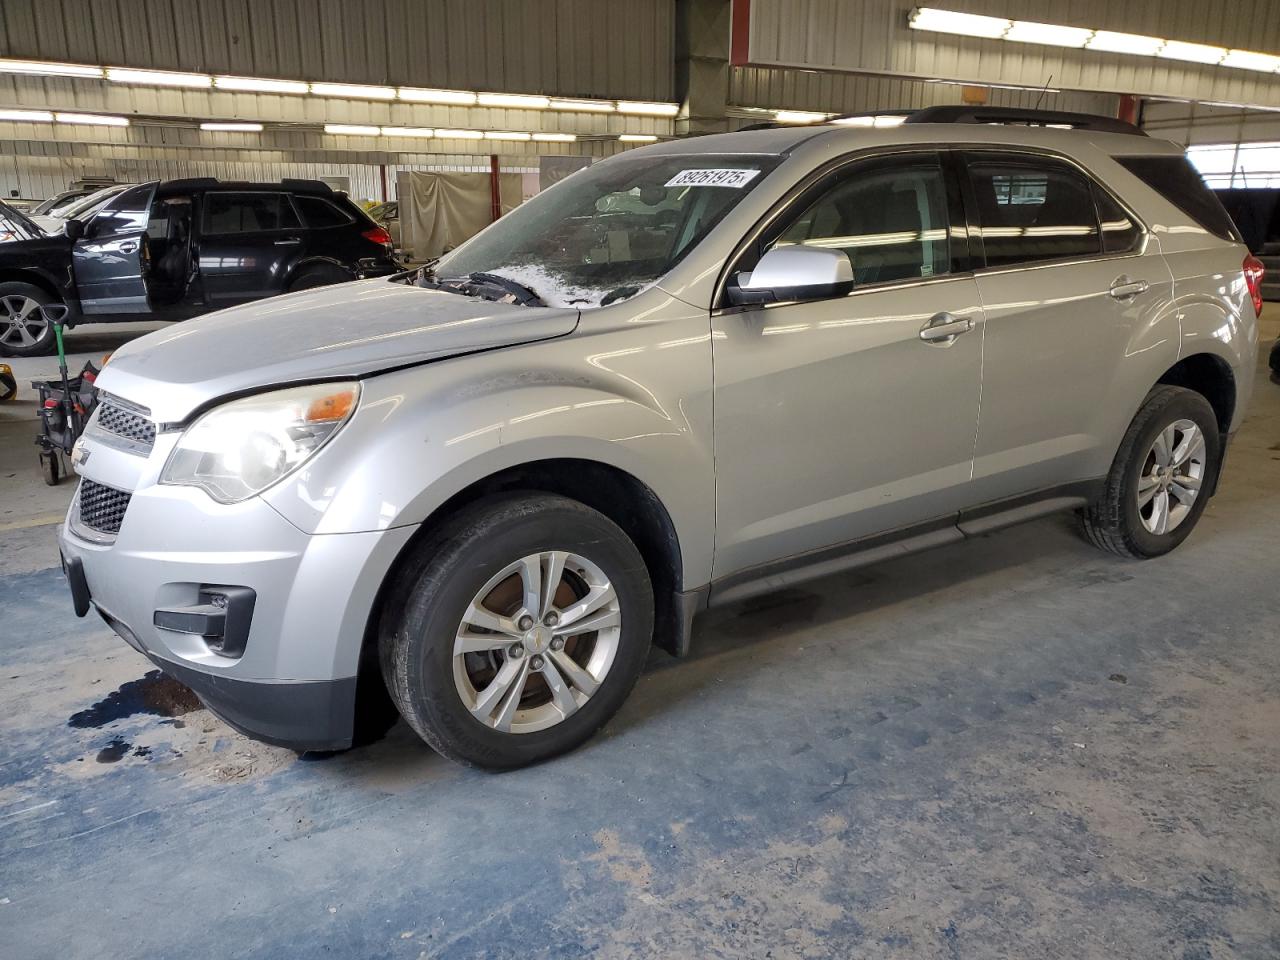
[(110, 261)]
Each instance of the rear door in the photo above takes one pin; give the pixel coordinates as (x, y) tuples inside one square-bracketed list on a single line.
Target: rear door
[(249, 241), (110, 261), (1076, 296)]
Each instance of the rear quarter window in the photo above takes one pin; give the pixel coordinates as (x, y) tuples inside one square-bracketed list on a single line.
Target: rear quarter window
[(319, 212), (1175, 179)]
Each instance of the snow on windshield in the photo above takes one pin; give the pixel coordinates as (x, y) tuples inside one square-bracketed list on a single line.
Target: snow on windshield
[(557, 290)]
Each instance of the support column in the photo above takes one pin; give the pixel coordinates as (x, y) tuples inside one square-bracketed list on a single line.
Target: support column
[(702, 65)]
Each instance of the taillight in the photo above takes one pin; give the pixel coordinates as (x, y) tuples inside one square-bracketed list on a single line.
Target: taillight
[(377, 235), (1253, 271)]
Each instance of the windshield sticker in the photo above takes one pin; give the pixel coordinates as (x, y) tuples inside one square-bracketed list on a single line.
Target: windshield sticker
[(712, 178)]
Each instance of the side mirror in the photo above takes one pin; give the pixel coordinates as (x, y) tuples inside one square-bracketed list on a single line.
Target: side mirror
[(73, 230), (796, 272)]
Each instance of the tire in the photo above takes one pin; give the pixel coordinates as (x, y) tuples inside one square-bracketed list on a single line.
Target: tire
[(34, 337), (1116, 521), (318, 276), (451, 570), (1274, 361), (50, 468)]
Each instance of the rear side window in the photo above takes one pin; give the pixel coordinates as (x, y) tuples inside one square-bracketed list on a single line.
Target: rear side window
[(247, 212), (1175, 179), (1120, 233), (1033, 209), (318, 212)]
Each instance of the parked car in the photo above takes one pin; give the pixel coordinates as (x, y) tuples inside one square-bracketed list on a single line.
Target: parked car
[(179, 248), (494, 482), (63, 198), (79, 209)]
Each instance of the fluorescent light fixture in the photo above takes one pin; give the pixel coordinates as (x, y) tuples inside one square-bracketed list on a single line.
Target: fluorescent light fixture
[(799, 116), (356, 91), (459, 134), (232, 127), (583, 106), (261, 85), (1027, 31), (554, 137), (949, 21), (517, 100), (158, 78), (31, 116), (637, 138), (1191, 52), (506, 135), (1108, 41), (92, 119), (352, 129), (1247, 60), (648, 109), (46, 68), (408, 132), (463, 98)]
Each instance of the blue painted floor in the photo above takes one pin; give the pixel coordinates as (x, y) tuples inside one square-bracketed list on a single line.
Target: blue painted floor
[(1014, 747)]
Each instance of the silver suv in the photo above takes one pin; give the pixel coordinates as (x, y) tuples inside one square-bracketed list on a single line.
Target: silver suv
[(686, 375)]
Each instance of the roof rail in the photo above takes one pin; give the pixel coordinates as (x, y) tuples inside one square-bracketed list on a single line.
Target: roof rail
[(1025, 117)]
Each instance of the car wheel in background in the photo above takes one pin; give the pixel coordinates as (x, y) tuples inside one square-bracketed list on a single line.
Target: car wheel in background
[(322, 275), (1159, 483), (24, 329), (516, 630)]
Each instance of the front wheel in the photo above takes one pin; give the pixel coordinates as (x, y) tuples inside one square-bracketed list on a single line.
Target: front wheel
[(517, 631), (25, 330), (1159, 482)]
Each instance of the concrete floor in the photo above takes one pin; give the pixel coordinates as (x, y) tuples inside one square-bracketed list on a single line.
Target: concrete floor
[(1011, 747)]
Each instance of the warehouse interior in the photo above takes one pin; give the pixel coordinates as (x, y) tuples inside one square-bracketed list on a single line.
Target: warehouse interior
[(1013, 745)]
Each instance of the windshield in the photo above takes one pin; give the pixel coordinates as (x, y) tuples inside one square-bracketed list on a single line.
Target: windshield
[(14, 226), (607, 232)]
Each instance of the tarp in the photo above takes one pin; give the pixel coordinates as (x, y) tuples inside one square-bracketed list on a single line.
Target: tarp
[(440, 210)]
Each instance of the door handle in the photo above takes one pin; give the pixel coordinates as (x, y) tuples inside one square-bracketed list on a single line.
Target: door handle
[(1122, 288), (288, 242), (129, 246), (944, 328)]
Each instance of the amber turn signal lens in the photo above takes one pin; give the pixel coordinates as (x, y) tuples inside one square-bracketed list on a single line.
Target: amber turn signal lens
[(105, 358), (335, 406)]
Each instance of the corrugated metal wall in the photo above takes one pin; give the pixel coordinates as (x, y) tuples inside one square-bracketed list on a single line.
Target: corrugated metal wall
[(601, 48), (873, 36), (857, 93)]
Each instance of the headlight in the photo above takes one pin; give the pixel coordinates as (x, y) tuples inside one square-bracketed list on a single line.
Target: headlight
[(243, 447)]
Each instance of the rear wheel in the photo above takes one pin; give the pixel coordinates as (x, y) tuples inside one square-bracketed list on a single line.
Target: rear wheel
[(518, 632), (50, 467), (1158, 485), (24, 329), (321, 275)]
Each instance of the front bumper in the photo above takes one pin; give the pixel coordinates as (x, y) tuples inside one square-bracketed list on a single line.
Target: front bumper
[(294, 683)]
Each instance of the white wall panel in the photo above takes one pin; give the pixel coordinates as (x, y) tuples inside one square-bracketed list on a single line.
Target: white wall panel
[(873, 36)]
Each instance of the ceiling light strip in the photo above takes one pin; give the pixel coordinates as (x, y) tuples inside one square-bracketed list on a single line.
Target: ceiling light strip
[(354, 91), (934, 20)]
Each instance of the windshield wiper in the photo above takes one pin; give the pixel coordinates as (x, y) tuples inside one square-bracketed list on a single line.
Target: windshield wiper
[(525, 296)]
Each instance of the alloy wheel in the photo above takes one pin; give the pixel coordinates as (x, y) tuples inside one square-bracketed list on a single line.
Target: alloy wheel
[(536, 642), (22, 322), (1171, 476)]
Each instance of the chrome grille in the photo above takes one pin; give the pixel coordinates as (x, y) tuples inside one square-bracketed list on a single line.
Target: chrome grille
[(101, 507), (113, 418)]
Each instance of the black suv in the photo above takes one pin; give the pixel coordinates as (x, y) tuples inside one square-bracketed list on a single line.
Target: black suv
[(175, 249)]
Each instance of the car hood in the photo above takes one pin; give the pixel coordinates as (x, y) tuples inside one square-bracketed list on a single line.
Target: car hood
[(347, 330)]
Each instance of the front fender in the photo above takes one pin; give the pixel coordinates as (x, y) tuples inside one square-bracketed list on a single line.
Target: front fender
[(635, 398)]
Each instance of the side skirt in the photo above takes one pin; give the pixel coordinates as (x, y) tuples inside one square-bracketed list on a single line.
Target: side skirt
[(973, 522)]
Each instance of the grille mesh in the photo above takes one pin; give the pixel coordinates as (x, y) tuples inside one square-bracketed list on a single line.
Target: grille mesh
[(101, 507), (126, 423)]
